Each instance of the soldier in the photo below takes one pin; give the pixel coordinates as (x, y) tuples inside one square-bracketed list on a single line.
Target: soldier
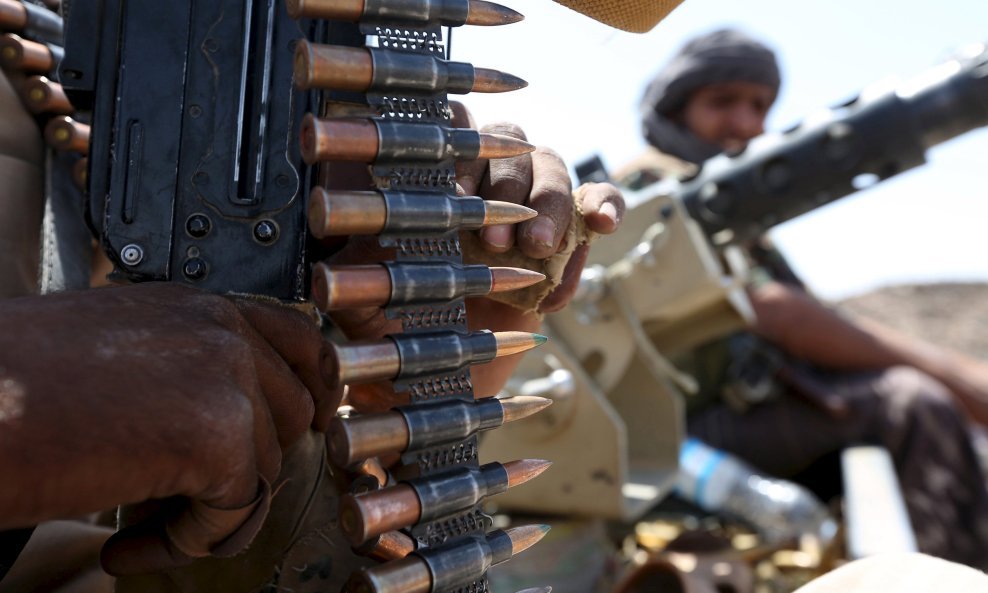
[(110, 401), (839, 383)]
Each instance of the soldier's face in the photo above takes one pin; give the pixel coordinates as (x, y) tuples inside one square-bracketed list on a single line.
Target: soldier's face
[(728, 114)]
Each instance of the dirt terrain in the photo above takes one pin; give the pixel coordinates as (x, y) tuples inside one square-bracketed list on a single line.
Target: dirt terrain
[(950, 314)]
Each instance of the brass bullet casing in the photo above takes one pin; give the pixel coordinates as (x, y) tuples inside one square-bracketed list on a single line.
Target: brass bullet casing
[(417, 355), (392, 545), (342, 213), (30, 57), (67, 135), (450, 13), (368, 141), (344, 139), (406, 575), (355, 69), (41, 95), (421, 426), (446, 567), (366, 436), (350, 287), (370, 514), (13, 15), (394, 284), (332, 67)]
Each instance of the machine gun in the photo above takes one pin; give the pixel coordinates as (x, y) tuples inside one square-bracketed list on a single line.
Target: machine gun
[(213, 126), (872, 137), (673, 278)]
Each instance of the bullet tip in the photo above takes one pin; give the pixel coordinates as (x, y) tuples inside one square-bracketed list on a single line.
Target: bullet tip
[(523, 538), (506, 213), (520, 472), (487, 80), (508, 279), (499, 146), (523, 406), (489, 14), (513, 342)]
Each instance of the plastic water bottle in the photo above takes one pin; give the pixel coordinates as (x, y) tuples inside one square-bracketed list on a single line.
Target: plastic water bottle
[(720, 483)]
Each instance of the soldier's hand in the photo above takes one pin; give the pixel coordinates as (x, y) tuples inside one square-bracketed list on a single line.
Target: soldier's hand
[(540, 181), (154, 393)]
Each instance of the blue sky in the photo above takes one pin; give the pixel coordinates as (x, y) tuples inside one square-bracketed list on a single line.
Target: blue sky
[(586, 80)]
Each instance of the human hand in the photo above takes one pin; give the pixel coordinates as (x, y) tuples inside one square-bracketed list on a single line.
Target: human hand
[(154, 392)]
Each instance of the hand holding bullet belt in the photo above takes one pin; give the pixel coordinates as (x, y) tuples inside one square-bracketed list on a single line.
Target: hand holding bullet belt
[(342, 68), (410, 428), (422, 354), (68, 135), (449, 13), (344, 213), (420, 500), (369, 141), (449, 566), (30, 57)]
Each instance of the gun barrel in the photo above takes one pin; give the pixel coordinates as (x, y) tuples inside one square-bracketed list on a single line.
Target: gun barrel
[(778, 177)]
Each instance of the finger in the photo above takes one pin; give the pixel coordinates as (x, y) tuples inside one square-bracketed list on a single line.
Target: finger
[(300, 395), (469, 174), (603, 207), (552, 197), (183, 531), (507, 180), (462, 118), (563, 293)]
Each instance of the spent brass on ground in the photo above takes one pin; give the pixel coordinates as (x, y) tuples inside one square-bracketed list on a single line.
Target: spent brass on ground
[(479, 12), (340, 213)]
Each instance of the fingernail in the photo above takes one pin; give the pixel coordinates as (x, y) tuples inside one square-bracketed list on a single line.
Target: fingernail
[(609, 210), (542, 231), (498, 236)]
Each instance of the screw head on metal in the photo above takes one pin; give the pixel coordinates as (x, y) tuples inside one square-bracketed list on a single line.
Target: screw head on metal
[(198, 225), (266, 232), (132, 254), (194, 269)]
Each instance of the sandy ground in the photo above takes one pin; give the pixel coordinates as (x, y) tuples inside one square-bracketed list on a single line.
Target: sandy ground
[(953, 315)]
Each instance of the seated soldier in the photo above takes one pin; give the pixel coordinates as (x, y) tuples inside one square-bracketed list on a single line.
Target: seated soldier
[(844, 383)]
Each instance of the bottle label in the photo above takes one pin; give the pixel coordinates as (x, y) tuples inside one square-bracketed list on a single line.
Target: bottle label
[(698, 462)]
